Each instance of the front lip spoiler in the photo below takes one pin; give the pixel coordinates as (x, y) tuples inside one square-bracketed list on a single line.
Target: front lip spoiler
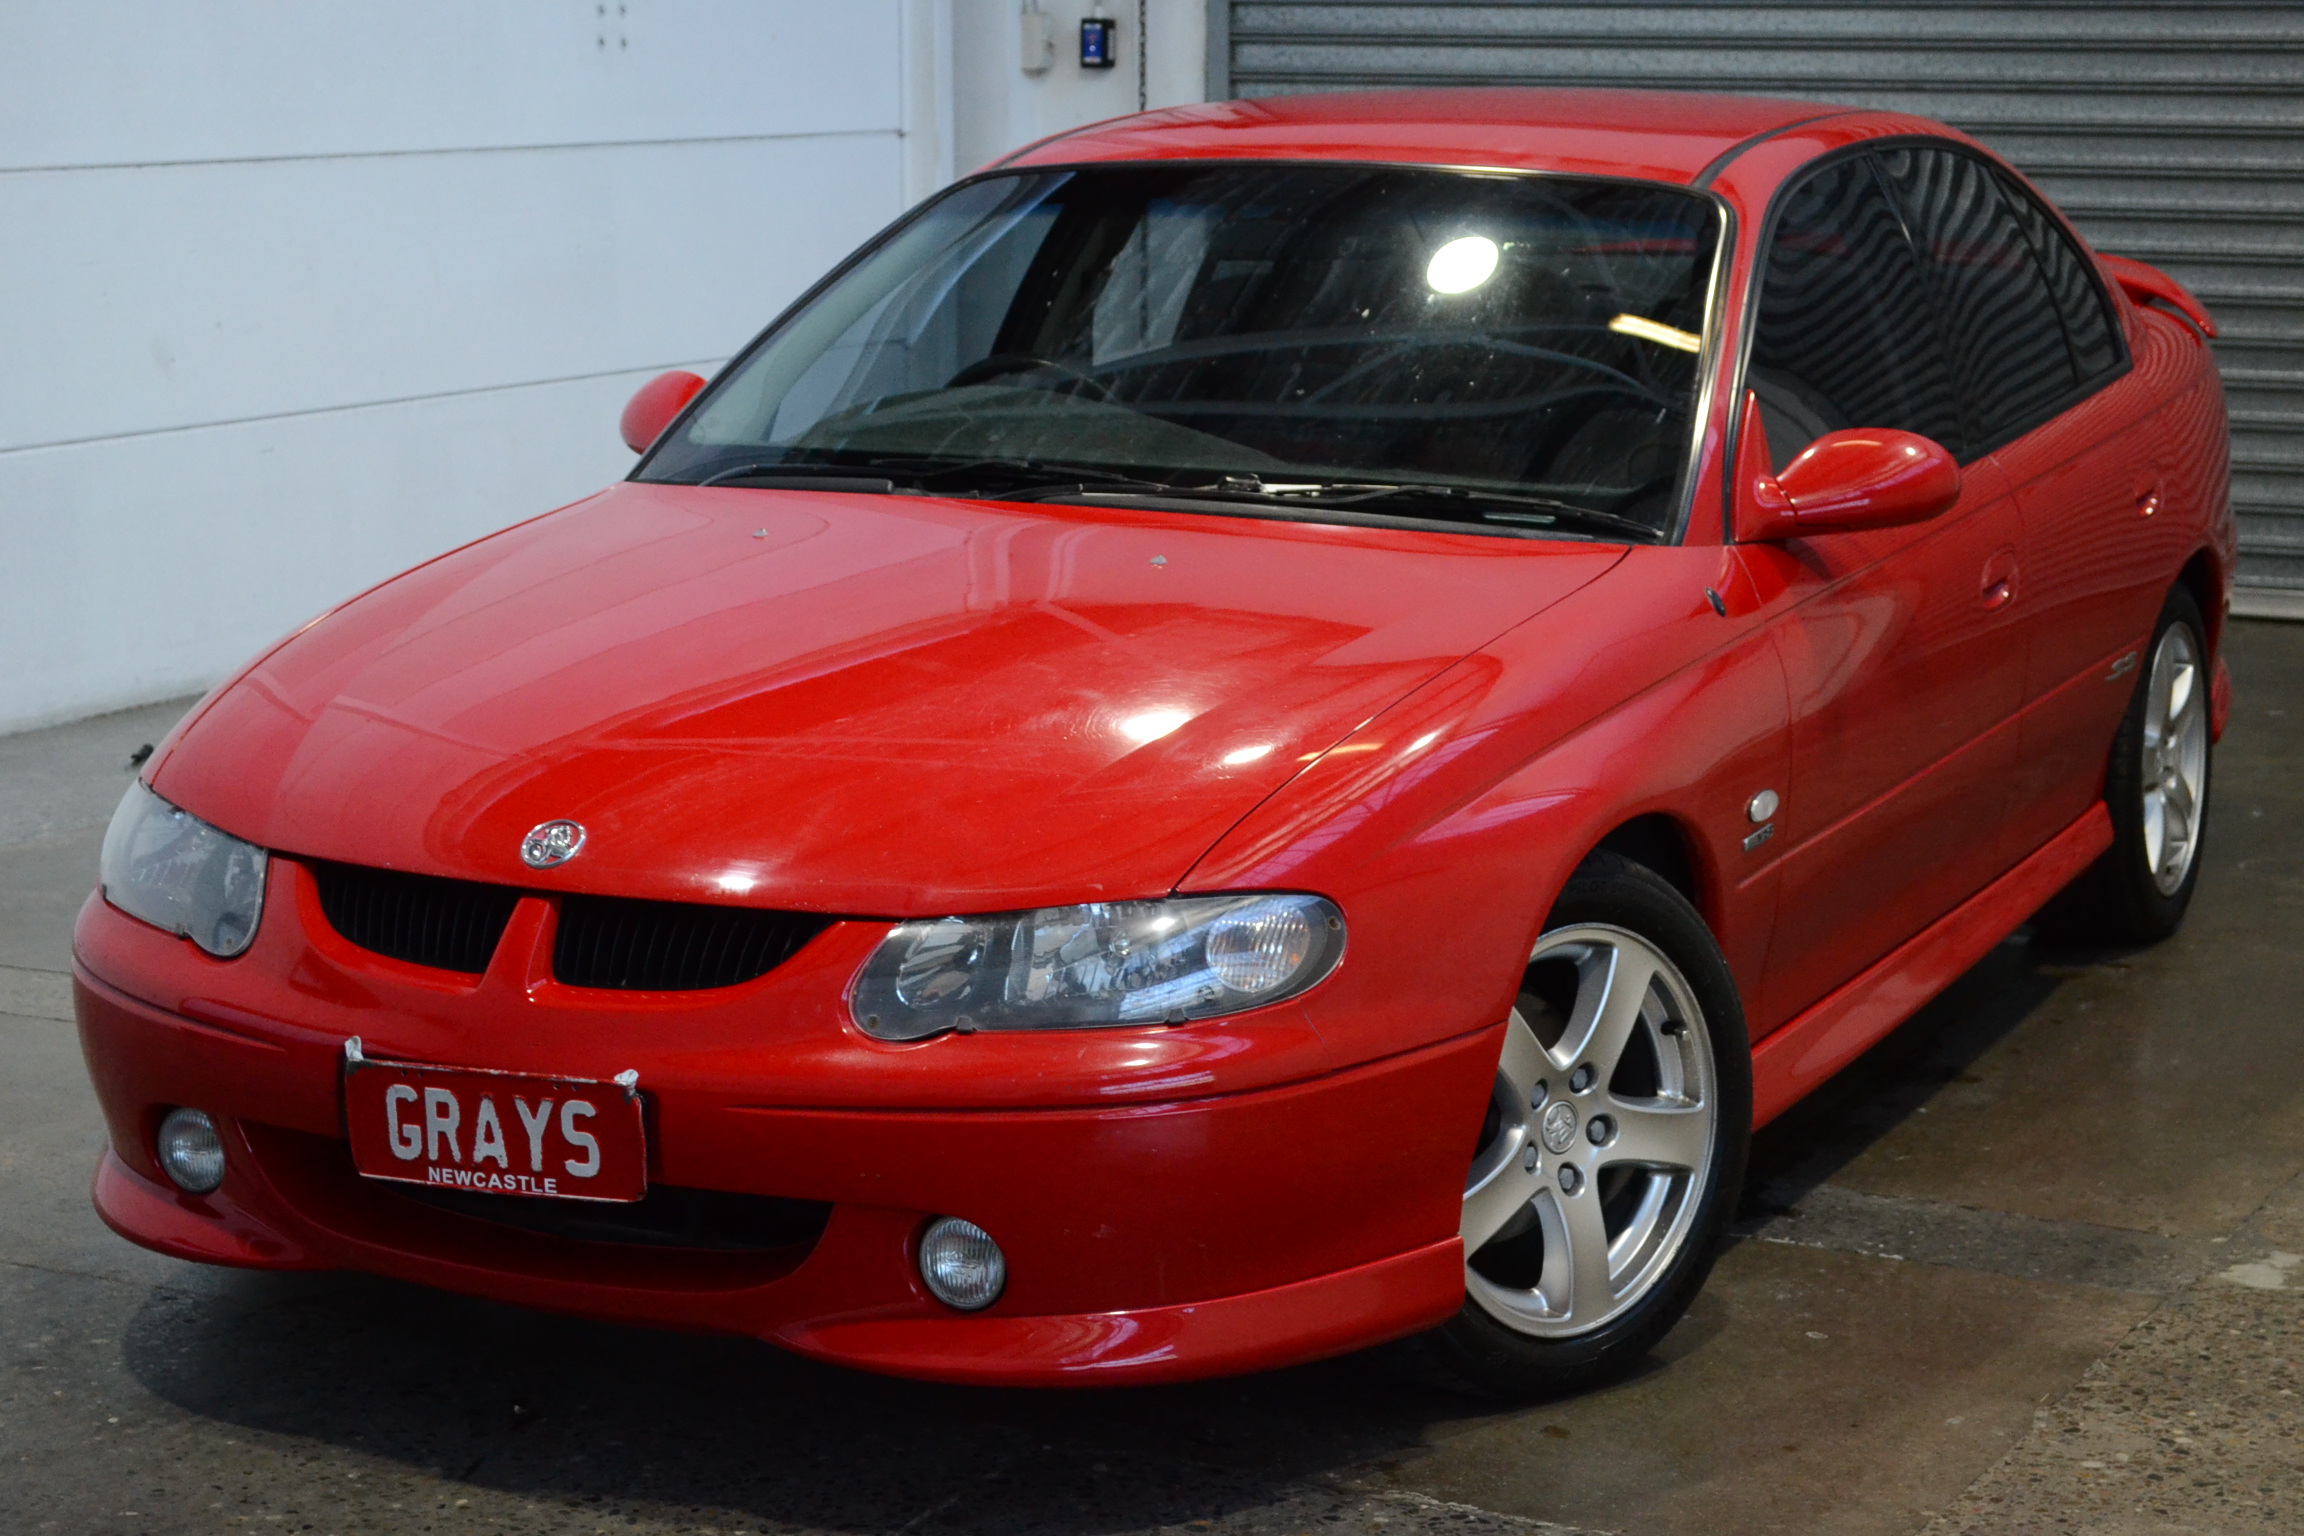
[(1350, 1309), (204, 1229)]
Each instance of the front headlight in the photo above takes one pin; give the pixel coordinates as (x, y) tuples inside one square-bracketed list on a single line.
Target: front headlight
[(1116, 962), (176, 872)]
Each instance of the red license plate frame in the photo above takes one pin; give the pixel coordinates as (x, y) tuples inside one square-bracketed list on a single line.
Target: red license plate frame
[(502, 1133)]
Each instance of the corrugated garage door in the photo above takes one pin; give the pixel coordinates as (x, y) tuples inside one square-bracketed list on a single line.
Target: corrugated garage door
[(2172, 132)]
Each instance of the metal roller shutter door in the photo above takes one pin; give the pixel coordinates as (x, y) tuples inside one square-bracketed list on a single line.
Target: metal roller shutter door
[(2172, 132)]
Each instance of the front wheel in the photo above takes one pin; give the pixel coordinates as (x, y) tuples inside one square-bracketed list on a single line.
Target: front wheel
[(1612, 1151)]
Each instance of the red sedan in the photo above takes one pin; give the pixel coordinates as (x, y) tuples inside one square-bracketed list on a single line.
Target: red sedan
[(1267, 728)]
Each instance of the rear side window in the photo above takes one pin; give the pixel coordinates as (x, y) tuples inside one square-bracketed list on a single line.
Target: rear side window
[(2000, 322), (1846, 335), (2080, 300)]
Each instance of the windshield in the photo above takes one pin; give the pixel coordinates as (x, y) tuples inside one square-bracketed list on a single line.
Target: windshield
[(1478, 348)]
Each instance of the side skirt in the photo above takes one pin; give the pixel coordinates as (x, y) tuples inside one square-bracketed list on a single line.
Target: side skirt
[(1794, 1060)]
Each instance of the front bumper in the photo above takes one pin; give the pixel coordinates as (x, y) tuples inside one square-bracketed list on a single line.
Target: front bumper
[(1146, 1241)]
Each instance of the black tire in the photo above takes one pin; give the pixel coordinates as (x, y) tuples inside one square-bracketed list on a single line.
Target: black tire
[(2118, 901), (1475, 1352)]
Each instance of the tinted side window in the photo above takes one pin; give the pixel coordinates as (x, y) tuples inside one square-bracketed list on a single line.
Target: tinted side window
[(1845, 335), (2079, 298), (2000, 322)]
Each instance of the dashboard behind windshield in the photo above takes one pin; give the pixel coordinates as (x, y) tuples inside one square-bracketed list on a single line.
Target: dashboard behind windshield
[(1513, 351)]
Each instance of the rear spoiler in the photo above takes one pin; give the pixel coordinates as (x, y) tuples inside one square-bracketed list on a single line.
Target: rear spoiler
[(2147, 284)]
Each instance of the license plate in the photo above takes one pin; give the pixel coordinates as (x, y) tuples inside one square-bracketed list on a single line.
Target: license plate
[(502, 1133)]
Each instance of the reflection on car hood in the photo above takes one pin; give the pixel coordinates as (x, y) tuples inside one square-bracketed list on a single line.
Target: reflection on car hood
[(845, 703)]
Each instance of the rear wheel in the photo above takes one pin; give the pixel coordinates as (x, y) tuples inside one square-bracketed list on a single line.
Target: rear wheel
[(2157, 791), (1612, 1148)]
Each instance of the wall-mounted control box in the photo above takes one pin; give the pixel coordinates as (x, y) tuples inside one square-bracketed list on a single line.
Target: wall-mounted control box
[(1099, 39)]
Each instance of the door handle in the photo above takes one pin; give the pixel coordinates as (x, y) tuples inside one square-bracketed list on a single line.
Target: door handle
[(1999, 585)]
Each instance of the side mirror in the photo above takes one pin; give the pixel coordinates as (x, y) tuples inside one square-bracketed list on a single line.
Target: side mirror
[(1865, 477), (654, 404)]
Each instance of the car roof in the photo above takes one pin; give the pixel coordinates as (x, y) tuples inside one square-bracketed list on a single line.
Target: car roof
[(1655, 135)]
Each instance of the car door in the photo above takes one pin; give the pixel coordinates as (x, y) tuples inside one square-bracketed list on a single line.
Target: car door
[(1900, 644), (2083, 465)]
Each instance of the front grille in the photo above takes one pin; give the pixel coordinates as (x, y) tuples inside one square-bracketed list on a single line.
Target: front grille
[(672, 946), (451, 925), (666, 1217)]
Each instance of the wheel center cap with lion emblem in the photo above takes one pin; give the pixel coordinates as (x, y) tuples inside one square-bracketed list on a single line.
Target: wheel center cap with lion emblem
[(1558, 1127), (554, 842)]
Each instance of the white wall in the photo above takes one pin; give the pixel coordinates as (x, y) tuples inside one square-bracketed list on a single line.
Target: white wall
[(998, 107), (295, 295)]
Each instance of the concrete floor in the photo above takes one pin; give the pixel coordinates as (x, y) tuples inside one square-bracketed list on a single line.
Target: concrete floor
[(2035, 1263)]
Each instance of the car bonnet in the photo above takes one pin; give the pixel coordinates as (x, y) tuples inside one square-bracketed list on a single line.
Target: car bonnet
[(839, 702)]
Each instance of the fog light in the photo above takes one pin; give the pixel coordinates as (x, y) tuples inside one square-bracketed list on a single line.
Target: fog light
[(191, 1152), (961, 1264)]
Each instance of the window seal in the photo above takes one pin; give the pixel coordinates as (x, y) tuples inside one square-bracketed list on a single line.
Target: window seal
[(1704, 178)]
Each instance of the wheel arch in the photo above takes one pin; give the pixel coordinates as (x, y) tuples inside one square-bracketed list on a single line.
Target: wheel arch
[(1660, 842), (2200, 578)]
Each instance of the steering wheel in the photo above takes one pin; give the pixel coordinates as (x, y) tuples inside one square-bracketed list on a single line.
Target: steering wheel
[(1602, 421), (1001, 363), (1654, 485)]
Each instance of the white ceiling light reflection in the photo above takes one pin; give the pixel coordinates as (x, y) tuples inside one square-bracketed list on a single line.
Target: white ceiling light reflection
[(1247, 754), (1152, 724), (1462, 265), (736, 884), (1658, 332)]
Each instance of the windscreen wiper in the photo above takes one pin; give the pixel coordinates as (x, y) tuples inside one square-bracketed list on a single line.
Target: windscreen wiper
[(806, 477), (1075, 482), (1516, 507), (1048, 480), (1006, 479)]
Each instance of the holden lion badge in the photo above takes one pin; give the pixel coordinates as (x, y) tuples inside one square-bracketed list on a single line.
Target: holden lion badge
[(555, 842)]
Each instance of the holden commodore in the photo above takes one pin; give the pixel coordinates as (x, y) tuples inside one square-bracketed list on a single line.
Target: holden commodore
[(1265, 729)]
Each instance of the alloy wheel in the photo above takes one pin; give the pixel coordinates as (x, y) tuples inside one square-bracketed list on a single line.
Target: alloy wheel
[(1598, 1139), (2175, 767)]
